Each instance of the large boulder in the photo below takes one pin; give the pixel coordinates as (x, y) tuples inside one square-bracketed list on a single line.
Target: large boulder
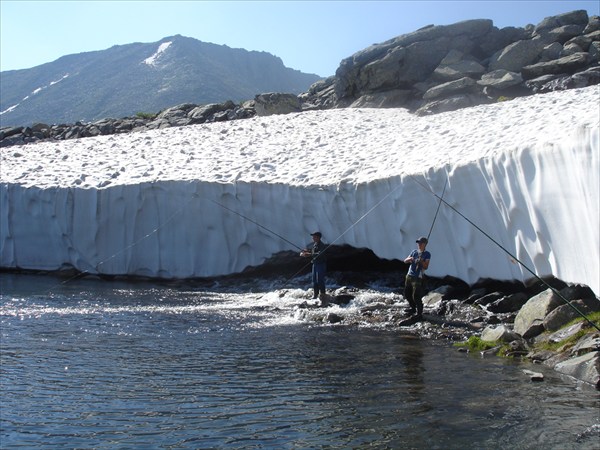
[(568, 312), (407, 59), (203, 113), (500, 333), (457, 65), (451, 88), (518, 54), (529, 321), (585, 368), (500, 79), (276, 103), (450, 104), (566, 64), (578, 17), (388, 99)]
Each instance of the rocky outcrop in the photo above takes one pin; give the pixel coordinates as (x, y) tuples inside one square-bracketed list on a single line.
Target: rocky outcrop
[(532, 331), (443, 68), (177, 116), (429, 71)]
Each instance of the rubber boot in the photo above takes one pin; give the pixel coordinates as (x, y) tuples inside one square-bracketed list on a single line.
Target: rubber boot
[(323, 298)]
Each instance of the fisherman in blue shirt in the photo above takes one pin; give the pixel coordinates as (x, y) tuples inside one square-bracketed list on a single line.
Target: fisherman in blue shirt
[(413, 286), (316, 253)]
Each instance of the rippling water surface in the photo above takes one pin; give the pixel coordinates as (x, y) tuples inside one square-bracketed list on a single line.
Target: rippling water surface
[(97, 364)]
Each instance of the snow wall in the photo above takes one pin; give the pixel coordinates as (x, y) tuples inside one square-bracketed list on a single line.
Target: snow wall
[(540, 203)]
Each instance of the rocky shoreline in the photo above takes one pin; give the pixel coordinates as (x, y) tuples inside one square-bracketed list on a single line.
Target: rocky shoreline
[(547, 322)]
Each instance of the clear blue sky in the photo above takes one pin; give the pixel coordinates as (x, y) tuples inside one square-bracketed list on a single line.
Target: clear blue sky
[(311, 36)]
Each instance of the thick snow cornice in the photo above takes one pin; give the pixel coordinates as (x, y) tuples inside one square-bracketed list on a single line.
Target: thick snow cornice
[(526, 171)]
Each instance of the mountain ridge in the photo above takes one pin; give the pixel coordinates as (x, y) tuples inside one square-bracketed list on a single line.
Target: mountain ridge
[(141, 77)]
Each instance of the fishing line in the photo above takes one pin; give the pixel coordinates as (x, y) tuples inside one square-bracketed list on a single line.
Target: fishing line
[(428, 189), (345, 231), (133, 244), (438, 209), (363, 216), (256, 223)]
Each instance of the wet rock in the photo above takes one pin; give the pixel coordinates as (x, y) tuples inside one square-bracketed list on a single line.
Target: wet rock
[(579, 291), (585, 368), (489, 298), (500, 286), (434, 297), (333, 318), (534, 376), (564, 314), (590, 343), (343, 299), (562, 334), (538, 356)]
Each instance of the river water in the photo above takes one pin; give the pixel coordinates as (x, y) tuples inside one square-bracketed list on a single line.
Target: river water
[(113, 364)]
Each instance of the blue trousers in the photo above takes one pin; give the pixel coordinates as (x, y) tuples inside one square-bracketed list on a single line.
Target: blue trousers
[(318, 277)]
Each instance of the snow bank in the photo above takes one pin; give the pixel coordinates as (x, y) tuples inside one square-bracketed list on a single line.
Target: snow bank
[(526, 171)]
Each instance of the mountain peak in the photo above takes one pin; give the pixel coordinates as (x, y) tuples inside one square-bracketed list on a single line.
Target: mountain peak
[(123, 80)]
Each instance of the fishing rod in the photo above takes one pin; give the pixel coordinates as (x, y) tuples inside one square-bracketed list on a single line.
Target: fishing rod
[(133, 244), (428, 189), (272, 232), (256, 223), (155, 230), (362, 217), (345, 231), (438, 209)]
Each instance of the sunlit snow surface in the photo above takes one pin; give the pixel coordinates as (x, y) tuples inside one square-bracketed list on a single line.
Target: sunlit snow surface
[(526, 171)]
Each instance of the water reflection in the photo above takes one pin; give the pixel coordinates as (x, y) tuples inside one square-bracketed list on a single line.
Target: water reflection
[(105, 365)]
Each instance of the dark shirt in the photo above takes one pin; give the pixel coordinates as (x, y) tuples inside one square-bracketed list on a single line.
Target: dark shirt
[(318, 252)]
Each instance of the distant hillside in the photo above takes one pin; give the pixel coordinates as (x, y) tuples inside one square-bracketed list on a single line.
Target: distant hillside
[(141, 77)]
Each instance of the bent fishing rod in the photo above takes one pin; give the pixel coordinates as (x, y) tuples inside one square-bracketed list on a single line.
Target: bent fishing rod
[(256, 223), (428, 189), (328, 245), (353, 225), (438, 209), (124, 249), (272, 232)]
